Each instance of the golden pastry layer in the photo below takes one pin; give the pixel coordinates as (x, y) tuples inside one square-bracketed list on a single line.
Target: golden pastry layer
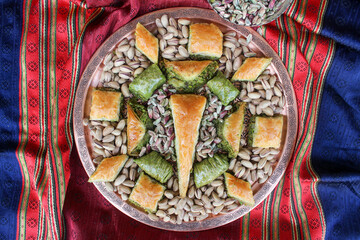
[(147, 193), (239, 189), (146, 43), (251, 69), (205, 40), (233, 127), (187, 70), (135, 129), (105, 105), (187, 110), (267, 132), (108, 169)]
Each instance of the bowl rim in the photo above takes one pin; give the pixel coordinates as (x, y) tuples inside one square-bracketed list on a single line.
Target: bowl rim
[(276, 15)]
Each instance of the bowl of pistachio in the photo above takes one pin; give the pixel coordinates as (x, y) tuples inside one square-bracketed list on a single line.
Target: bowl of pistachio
[(249, 12)]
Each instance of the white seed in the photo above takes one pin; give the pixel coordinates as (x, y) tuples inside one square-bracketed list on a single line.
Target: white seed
[(128, 183), (232, 164), (158, 23), (108, 138), (164, 21), (262, 163), (138, 71), (269, 94), (264, 104), (123, 149), (247, 164), (209, 191), (216, 183), (172, 29), (168, 36), (196, 208), (277, 91), (168, 194), (125, 90), (183, 21), (229, 45), (123, 135), (268, 111), (153, 217), (263, 179), (114, 85), (183, 41), (220, 190), (217, 209), (123, 48), (202, 217), (169, 50), (191, 192), (109, 187), (108, 146), (183, 52), (185, 31), (162, 44), (131, 53), (236, 63), (232, 206), (244, 155), (119, 180), (254, 95), (260, 173), (107, 130)]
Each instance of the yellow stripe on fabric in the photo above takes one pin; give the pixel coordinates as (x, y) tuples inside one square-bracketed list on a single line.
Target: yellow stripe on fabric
[(320, 18), (54, 154), (69, 26), (23, 204), (265, 217), (299, 157), (245, 226), (283, 55), (291, 29), (76, 75), (276, 208), (324, 70), (309, 133)]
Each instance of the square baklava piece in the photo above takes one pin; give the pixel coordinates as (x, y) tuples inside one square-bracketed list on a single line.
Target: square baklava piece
[(265, 132), (105, 105)]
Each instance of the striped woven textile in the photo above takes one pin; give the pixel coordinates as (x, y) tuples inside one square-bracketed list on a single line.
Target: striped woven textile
[(44, 47)]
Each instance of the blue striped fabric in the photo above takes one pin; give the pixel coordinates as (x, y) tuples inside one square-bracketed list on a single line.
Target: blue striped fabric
[(336, 151), (10, 175)]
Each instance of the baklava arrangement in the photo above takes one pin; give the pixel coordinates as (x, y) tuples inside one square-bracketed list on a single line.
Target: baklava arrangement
[(185, 120)]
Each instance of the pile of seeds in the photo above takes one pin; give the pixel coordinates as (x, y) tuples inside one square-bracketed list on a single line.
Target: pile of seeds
[(234, 53), (124, 183), (208, 139), (162, 138), (109, 138), (265, 96), (254, 165), (246, 12), (122, 65), (199, 204), (173, 37)]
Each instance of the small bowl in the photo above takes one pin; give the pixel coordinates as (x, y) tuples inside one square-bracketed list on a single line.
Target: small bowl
[(247, 13)]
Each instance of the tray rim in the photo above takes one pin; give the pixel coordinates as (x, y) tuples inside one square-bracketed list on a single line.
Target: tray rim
[(115, 200)]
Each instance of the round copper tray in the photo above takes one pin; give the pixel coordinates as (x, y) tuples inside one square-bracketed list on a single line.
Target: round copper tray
[(91, 73)]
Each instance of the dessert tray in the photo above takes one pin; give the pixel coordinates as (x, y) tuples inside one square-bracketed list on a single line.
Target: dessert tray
[(184, 121)]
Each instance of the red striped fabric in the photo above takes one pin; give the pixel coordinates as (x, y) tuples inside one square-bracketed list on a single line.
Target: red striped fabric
[(293, 210), (58, 39), (47, 85)]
